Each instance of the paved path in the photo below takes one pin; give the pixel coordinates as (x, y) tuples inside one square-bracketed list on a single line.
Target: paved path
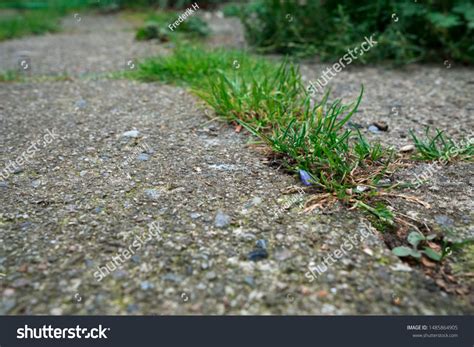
[(91, 193)]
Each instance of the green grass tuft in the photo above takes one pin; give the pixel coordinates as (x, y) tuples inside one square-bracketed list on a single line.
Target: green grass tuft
[(440, 147), (10, 76), (193, 66), (271, 101)]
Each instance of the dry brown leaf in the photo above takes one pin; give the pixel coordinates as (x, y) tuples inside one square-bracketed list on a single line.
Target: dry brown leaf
[(462, 291), (407, 198), (441, 284), (434, 246), (427, 263), (451, 278)]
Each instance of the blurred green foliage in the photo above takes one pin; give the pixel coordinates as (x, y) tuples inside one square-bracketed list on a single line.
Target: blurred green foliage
[(32, 17), (28, 23), (429, 30), (27, 17), (165, 3), (152, 30), (68, 4), (156, 27), (232, 10)]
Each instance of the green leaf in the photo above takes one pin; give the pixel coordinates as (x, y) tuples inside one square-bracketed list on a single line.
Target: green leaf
[(444, 20), (414, 238), (432, 254), (431, 237), (402, 251)]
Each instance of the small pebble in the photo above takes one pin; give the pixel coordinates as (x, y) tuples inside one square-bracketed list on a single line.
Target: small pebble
[(253, 202), (361, 189), (152, 194), (283, 255), (443, 220), (222, 220), (384, 182), (407, 148), (143, 157), (250, 281), (374, 129), (25, 225), (57, 311), (224, 167), (132, 308), (195, 215), (401, 267), (81, 103), (211, 275), (172, 278), (262, 244), (145, 285), (131, 133), (8, 292), (119, 274)]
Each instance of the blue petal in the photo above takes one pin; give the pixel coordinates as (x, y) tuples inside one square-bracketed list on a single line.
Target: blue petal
[(305, 178)]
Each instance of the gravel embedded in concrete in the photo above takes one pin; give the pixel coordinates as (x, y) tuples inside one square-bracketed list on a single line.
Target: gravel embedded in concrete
[(82, 199)]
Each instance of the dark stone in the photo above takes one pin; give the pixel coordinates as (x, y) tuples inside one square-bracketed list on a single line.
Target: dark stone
[(382, 126), (257, 254)]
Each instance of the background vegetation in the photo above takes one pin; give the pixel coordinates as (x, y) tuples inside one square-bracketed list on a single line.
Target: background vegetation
[(430, 30), (23, 17)]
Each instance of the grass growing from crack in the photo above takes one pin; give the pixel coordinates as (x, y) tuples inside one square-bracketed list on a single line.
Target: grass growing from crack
[(438, 146), (304, 135), (274, 105), (257, 94), (10, 76), (271, 101), (193, 66)]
